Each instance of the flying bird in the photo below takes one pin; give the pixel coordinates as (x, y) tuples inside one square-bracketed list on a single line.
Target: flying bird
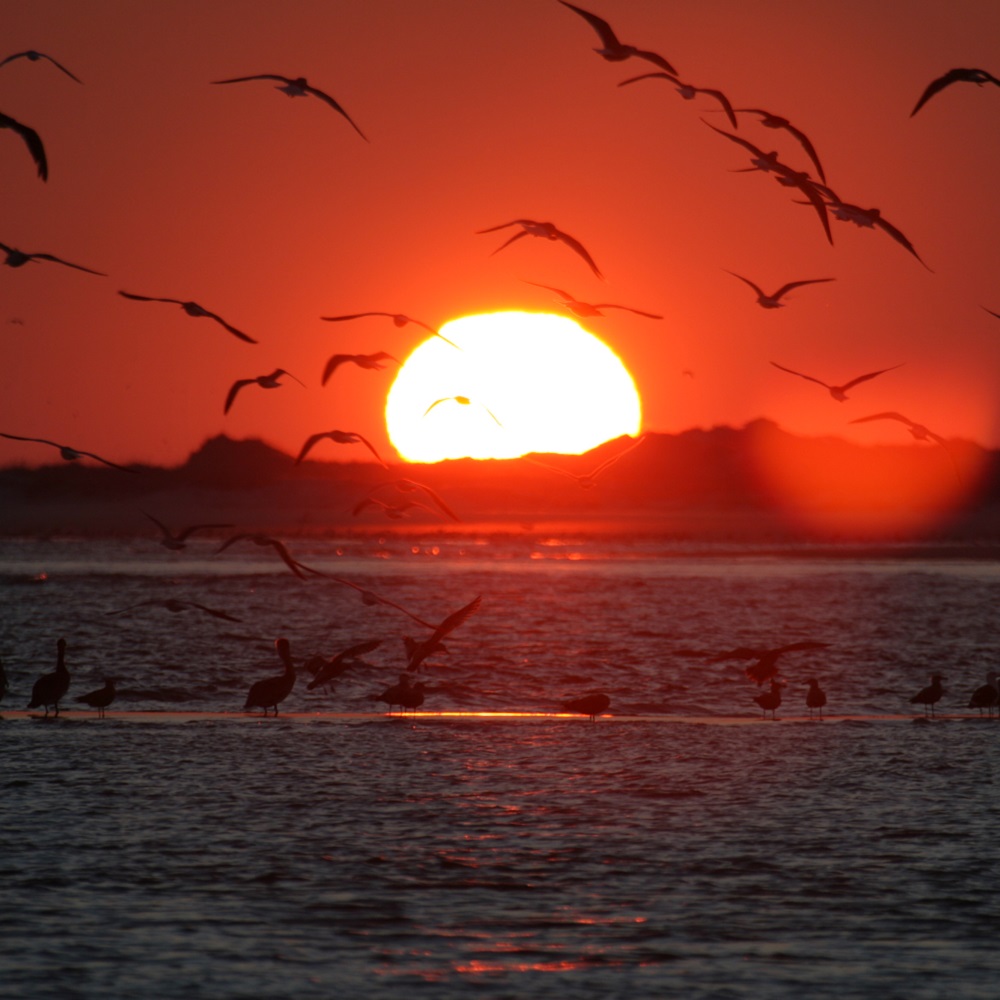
[(976, 76), (411, 486), (298, 87), (815, 698), (49, 689), (32, 140), (462, 401), (371, 362), (588, 308), (101, 698), (192, 309), (838, 392), (590, 704), (770, 701), (765, 667), (930, 695), (339, 437), (689, 91), (18, 258), (769, 120), (176, 607), (299, 569), (398, 319), (544, 230), (271, 381), (589, 481), (272, 691), (919, 432), (394, 511), (773, 301), (176, 541), (69, 454), (611, 48), (422, 649), (32, 56), (330, 670)]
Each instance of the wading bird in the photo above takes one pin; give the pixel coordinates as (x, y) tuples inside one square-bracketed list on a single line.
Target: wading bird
[(930, 695), (838, 392), (32, 56), (590, 704), (18, 258), (546, 231), (976, 76), (32, 140), (101, 698), (773, 301), (192, 309), (69, 454), (371, 362), (49, 689), (404, 693), (272, 691), (770, 701), (272, 381), (689, 91), (815, 698), (338, 437), (611, 48), (588, 308), (177, 541)]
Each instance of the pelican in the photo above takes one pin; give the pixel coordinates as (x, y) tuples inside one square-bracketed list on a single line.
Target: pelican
[(272, 691), (421, 650), (976, 76), (175, 541), (463, 401), (298, 87), (101, 698), (175, 606), (299, 569), (589, 481), (766, 666), (588, 308), (930, 695), (544, 230), (370, 362), (411, 486), (590, 704), (815, 697), (32, 56), (986, 696), (838, 392), (338, 437), (689, 91), (32, 140), (773, 301), (330, 670), (50, 688), (611, 48), (919, 432), (770, 701), (271, 381), (769, 120), (192, 309), (69, 454), (18, 258)]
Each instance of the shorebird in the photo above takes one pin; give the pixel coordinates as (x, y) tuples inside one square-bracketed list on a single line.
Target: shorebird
[(192, 309), (930, 695), (32, 56), (689, 91), (32, 140), (590, 704), (544, 230), (422, 649), (589, 480), (765, 667), (462, 401), (299, 569), (69, 454), (838, 392), (338, 437), (175, 606), (101, 698), (769, 120), (271, 381), (50, 688), (773, 301), (588, 308), (371, 362), (976, 76), (175, 541), (330, 670), (919, 432), (272, 691), (411, 486), (404, 693), (298, 87), (18, 258), (770, 701), (815, 698), (987, 696), (611, 48)]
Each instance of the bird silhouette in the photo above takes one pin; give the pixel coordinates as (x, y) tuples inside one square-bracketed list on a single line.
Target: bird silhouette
[(838, 392), (422, 649), (175, 541), (69, 454), (589, 480), (765, 667), (589, 704), (338, 437), (272, 381), (589, 308), (544, 230), (769, 120), (398, 319), (192, 309), (410, 486), (300, 569), (976, 76), (773, 301), (815, 697), (18, 258), (404, 693), (462, 401), (371, 362), (33, 56), (770, 701), (689, 91), (49, 689), (32, 140), (329, 670), (987, 696), (175, 606), (101, 698), (930, 695), (918, 431), (611, 48), (272, 691)]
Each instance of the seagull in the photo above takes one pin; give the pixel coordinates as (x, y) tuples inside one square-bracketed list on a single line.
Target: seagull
[(769, 120), (770, 701), (990, 311), (394, 511), (4, 683), (590, 704), (919, 432), (976, 76), (299, 569), (371, 362), (930, 695), (339, 437), (399, 319), (271, 381), (298, 87), (175, 606), (588, 308), (766, 666), (331, 669), (18, 258), (589, 481), (32, 56), (404, 693), (192, 309), (177, 541), (986, 696), (421, 650), (815, 697), (101, 698), (411, 486), (50, 688), (772, 301), (463, 401), (613, 50), (545, 230), (32, 140), (69, 454), (838, 392), (689, 92), (270, 692)]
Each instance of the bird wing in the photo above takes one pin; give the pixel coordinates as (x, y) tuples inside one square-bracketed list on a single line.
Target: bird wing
[(812, 193), (147, 298), (191, 529), (310, 441), (336, 319), (333, 364), (455, 619), (576, 245), (336, 107), (604, 30), (653, 57), (870, 375), (59, 65), (516, 222), (809, 377), (32, 140), (444, 507), (436, 402), (15, 437), (516, 236), (807, 146), (371, 448), (98, 458), (747, 281), (59, 260), (607, 463), (232, 329), (887, 227), (213, 611), (257, 76), (795, 284), (236, 386), (887, 415), (937, 85)]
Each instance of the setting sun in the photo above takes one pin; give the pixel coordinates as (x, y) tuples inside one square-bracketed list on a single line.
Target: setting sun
[(517, 383)]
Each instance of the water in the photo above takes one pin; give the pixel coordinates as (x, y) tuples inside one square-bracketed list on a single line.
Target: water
[(679, 847)]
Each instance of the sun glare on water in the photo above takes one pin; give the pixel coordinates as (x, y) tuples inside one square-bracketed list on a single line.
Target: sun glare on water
[(515, 383)]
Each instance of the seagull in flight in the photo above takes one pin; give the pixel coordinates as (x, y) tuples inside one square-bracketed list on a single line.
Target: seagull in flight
[(70, 454), (371, 362), (175, 541), (338, 437), (772, 301), (919, 431), (18, 258), (589, 481), (399, 319), (192, 309), (976, 76), (769, 120), (545, 230), (298, 87), (299, 569), (588, 308), (330, 670), (838, 392), (611, 48), (421, 650), (765, 665), (32, 56), (689, 92), (463, 401), (176, 606), (271, 381), (32, 140)]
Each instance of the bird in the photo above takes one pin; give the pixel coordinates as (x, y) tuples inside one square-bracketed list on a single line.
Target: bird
[(398, 319), (412, 486), (394, 511), (32, 56), (175, 541), (838, 392), (769, 120), (588, 308), (18, 258), (422, 649), (589, 480), (299, 569), (930, 695), (192, 309), (773, 301), (689, 91), (272, 691), (339, 437), (330, 670), (986, 696), (590, 704), (919, 431), (976, 76), (32, 140), (611, 48), (770, 701), (815, 697), (404, 693), (990, 311), (544, 230), (463, 401), (4, 682), (298, 87), (371, 362), (271, 381), (765, 666), (176, 606), (68, 453), (101, 698), (49, 689)]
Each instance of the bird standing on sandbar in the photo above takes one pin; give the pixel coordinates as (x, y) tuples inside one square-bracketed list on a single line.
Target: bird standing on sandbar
[(101, 698), (987, 696), (272, 691), (404, 694), (590, 704), (930, 695), (815, 698), (49, 689), (272, 381), (770, 701)]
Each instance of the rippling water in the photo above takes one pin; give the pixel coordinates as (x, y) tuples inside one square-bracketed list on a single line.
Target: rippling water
[(679, 847)]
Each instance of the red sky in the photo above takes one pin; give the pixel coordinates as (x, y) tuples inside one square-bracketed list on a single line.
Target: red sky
[(273, 212)]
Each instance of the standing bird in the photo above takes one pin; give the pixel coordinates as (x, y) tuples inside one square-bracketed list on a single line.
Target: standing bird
[(772, 301), (590, 704), (815, 697), (4, 683), (271, 381), (987, 696), (338, 437), (405, 694), (421, 650), (770, 701), (69, 454), (32, 140), (544, 230), (371, 362), (50, 688), (776, 121), (838, 392), (192, 309), (930, 695), (589, 308), (611, 48), (18, 258), (689, 92), (175, 541), (272, 691), (32, 56), (101, 698), (976, 76)]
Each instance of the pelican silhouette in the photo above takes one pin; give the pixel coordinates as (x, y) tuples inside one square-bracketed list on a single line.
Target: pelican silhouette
[(544, 230), (32, 140), (838, 392), (976, 76), (49, 689), (370, 362), (773, 301), (272, 691), (611, 48), (18, 258), (272, 381), (68, 453), (338, 437), (588, 308), (192, 309), (101, 698), (689, 91), (32, 56)]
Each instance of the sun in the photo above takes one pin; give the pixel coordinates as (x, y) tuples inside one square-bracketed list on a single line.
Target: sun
[(512, 384)]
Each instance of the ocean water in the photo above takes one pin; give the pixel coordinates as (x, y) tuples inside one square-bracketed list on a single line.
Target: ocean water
[(682, 845)]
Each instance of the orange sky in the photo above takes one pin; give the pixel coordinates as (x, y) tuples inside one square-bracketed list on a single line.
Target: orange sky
[(273, 212)]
